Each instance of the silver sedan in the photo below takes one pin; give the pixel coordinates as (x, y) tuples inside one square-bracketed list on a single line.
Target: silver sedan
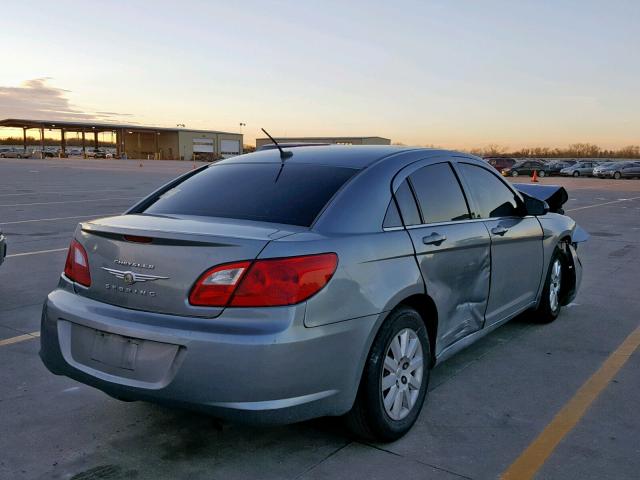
[(280, 285)]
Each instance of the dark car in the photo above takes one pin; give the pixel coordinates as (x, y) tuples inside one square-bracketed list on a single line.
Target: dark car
[(500, 163), (525, 167), (553, 168)]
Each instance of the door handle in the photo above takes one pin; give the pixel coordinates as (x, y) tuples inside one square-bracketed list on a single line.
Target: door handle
[(499, 230), (434, 239)]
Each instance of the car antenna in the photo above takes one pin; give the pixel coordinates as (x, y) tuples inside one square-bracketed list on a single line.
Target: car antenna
[(283, 154)]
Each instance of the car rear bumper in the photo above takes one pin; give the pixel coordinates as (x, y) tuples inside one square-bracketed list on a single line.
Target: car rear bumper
[(257, 366)]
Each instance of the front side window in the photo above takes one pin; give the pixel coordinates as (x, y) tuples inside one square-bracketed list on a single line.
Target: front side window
[(494, 198), (439, 194)]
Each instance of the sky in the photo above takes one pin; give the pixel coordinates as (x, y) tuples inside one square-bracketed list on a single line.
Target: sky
[(455, 74)]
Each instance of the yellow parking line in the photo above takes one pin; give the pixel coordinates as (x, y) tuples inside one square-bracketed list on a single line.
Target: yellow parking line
[(19, 338), (532, 459)]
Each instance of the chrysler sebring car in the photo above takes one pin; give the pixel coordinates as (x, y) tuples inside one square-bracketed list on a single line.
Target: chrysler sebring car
[(280, 285)]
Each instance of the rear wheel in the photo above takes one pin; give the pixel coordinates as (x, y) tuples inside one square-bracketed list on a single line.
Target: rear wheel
[(617, 175), (395, 379), (541, 174), (550, 303), (576, 174)]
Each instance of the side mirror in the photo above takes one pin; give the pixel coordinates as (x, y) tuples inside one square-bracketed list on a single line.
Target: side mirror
[(534, 206)]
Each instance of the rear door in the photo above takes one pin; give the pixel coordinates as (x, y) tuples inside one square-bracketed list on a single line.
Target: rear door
[(452, 251), (516, 242)]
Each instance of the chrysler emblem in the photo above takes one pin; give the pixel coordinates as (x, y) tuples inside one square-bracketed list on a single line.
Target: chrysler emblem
[(132, 277)]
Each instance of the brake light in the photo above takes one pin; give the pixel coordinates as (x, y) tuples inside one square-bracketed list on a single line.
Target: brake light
[(76, 268), (264, 283), (137, 239)]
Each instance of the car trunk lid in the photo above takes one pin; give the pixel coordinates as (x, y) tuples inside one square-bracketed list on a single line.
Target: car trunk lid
[(150, 262)]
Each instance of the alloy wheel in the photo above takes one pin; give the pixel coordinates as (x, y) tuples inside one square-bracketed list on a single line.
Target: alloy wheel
[(402, 374), (554, 285)]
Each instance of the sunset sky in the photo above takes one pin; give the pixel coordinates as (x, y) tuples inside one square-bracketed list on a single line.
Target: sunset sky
[(457, 74)]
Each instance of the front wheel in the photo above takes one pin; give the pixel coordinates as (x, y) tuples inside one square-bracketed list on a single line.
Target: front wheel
[(550, 303), (617, 175), (576, 174), (541, 174), (395, 379), (514, 173)]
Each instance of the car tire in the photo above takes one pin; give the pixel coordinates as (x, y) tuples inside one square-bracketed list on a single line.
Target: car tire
[(617, 175), (514, 173), (541, 174), (550, 303), (384, 409), (576, 174)]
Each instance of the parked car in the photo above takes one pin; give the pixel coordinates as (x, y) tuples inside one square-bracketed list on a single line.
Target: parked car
[(554, 167), (578, 169), (38, 153), (96, 153), (618, 170), (14, 153), (525, 167), (74, 152), (346, 274), (3, 247), (500, 163)]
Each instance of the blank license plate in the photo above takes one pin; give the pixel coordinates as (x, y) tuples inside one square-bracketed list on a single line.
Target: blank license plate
[(115, 350)]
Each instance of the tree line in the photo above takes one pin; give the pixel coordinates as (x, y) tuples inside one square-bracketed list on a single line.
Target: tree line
[(575, 150)]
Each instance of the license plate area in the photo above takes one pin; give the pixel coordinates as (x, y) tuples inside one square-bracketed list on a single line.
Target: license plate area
[(119, 358), (115, 350)]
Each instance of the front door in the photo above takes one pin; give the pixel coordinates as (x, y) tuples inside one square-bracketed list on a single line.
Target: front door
[(516, 243)]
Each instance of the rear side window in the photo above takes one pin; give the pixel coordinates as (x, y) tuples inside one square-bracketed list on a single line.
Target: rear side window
[(407, 204), (493, 197), (292, 194), (439, 194), (392, 217)]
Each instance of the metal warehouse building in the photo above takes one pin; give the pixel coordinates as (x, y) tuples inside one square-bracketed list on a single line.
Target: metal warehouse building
[(337, 140), (138, 141)]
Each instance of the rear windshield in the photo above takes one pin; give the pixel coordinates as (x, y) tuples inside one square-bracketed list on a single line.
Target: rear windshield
[(292, 194)]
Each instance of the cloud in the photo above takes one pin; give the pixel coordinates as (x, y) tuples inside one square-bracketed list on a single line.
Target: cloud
[(37, 100)]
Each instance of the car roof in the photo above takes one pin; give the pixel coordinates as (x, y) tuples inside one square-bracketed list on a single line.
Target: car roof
[(351, 156)]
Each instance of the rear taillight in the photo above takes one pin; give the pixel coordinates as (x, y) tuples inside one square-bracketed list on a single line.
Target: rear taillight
[(264, 283), (215, 286), (76, 268)]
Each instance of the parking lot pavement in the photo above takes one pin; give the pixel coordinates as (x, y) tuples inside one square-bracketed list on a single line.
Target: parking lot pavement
[(485, 407)]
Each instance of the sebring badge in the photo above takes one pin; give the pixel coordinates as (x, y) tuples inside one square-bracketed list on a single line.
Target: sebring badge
[(132, 277)]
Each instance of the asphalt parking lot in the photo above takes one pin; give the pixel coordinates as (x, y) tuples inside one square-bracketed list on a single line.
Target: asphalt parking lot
[(486, 406)]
